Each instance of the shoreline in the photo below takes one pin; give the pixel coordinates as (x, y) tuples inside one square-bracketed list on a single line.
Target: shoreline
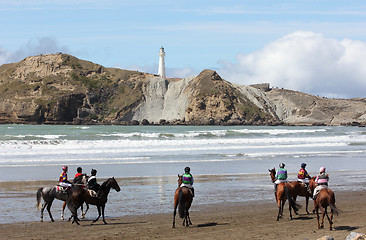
[(246, 220)]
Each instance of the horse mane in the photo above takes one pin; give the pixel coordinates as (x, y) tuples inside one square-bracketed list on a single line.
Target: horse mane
[(104, 184)]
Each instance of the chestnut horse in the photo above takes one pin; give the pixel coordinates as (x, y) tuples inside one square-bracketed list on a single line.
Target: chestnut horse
[(283, 192), (301, 190), (76, 198), (182, 197), (324, 199)]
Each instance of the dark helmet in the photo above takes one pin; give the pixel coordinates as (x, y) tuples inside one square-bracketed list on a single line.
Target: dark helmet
[(64, 168), (282, 165), (93, 172), (303, 165), (187, 169), (79, 170)]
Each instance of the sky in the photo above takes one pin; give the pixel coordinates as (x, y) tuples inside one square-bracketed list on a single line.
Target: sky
[(313, 46)]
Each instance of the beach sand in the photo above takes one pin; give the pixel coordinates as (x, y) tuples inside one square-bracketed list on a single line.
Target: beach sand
[(222, 221)]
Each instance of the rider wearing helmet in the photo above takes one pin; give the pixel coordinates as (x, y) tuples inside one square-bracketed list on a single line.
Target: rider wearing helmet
[(92, 182), (321, 180), (63, 182), (78, 175), (281, 175), (187, 179), (303, 175)]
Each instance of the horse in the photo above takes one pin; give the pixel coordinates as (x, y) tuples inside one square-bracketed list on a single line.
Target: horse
[(283, 192), (78, 196), (325, 198), (182, 197), (51, 193), (301, 190)]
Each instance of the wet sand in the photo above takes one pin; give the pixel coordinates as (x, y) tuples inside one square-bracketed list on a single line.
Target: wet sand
[(222, 221)]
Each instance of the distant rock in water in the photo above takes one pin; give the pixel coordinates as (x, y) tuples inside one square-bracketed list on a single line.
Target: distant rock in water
[(62, 89)]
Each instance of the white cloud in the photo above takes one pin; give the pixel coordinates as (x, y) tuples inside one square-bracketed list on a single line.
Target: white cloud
[(304, 61)]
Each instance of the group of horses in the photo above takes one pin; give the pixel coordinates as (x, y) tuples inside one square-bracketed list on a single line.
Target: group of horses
[(75, 197), (291, 190), (78, 195)]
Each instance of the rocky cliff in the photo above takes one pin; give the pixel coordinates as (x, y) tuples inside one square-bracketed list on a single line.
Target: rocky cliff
[(61, 89)]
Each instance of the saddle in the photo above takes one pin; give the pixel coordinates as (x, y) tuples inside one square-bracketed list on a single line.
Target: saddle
[(190, 190)]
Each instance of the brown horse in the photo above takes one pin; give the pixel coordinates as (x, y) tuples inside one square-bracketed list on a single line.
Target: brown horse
[(324, 199), (299, 189), (182, 197), (283, 192), (79, 196)]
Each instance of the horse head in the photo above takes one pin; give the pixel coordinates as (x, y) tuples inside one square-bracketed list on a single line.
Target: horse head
[(114, 184), (272, 173), (312, 184)]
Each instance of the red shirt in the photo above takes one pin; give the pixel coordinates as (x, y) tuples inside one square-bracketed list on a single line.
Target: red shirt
[(78, 175)]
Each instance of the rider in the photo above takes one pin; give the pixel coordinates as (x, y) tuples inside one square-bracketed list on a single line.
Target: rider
[(78, 175), (187, 179), (63, 182), (322, 181), (92, 182), (281, 175), (303, 175)]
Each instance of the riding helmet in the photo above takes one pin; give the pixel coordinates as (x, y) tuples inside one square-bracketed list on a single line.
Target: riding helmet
[(303, 165), (79, 169), (322, 169), (93, 172), (282, 165), (187, 169), (64, 168)]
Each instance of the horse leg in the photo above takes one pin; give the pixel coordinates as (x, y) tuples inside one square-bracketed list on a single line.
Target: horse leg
[(63, 210), (317, 215), (186, 218), (279, 210), (307, 203), (289, 208), (174, 213), (189, 219), (84, 213), (98, 207), (323, 215), (49, 210), (42, 209), (103, 207), (329, 218)]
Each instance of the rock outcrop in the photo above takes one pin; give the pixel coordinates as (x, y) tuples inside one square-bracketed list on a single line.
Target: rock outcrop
[(61, 89)]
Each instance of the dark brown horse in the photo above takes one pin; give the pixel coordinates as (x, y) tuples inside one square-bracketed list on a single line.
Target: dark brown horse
[(324, 199), (182, 197), (282, 194), (79, 196)]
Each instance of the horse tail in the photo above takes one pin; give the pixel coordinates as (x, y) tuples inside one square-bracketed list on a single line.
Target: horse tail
[(291, 201), (39, 195), (182, 204), (334, 209)]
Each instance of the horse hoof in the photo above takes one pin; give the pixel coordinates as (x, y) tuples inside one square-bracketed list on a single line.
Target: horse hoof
[(52, 220)]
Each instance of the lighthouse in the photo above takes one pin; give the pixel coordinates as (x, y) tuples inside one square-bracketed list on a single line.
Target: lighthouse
[(161, 71)]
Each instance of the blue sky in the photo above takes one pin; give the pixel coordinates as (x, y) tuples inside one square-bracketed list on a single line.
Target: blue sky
[(318, 47)]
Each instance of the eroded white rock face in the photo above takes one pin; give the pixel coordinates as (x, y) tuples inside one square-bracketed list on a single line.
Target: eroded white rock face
[(163, 100), (41, 66)]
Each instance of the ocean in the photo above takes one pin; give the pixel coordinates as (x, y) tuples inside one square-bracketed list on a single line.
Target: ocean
[(229, 163)]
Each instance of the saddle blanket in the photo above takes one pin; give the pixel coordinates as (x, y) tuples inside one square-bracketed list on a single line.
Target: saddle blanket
[(61, 189), (92, 193)]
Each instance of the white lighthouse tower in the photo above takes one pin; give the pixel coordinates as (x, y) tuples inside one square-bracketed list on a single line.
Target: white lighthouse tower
[(161, 71)]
